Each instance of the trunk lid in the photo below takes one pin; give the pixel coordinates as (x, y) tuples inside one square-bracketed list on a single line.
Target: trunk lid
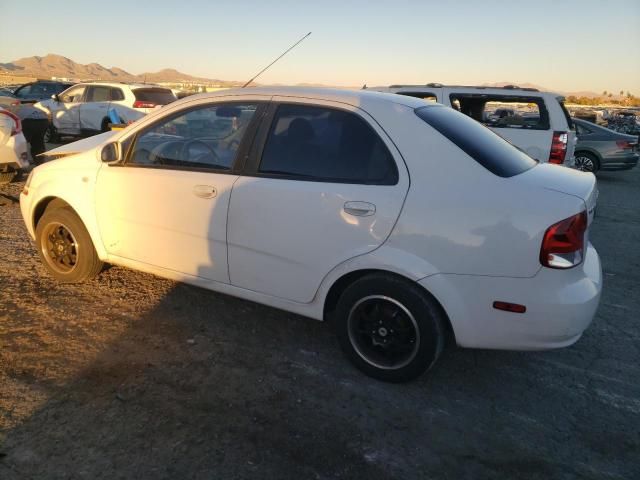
[(565, 180)]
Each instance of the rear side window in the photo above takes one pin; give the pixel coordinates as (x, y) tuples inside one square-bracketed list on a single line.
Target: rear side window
[(503, 111), (487, 148), (116, 94), (158, 96), (99, 94), (324, 144)]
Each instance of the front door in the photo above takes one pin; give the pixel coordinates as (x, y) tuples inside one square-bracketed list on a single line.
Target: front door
[(66, 112), (95, 108), (166, 205), (328, 186)]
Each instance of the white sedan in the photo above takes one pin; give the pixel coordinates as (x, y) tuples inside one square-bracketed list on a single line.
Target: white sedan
[(14, 157), (402, 222)]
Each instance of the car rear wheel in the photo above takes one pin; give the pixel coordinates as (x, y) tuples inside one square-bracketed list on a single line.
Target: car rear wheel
[(65, 247), (586, 162), (51, 135), (390, 328)]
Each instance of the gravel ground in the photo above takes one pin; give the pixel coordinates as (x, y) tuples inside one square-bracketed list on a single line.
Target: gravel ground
[(131, 375)]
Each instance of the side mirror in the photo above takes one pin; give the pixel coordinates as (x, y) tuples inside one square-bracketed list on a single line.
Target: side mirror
[(110, 153)]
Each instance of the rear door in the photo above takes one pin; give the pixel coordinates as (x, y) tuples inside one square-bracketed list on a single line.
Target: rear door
[(323, 184), (95, 109)]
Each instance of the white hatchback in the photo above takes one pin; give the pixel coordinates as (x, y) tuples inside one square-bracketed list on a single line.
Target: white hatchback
[(403, 222), (14, 157)]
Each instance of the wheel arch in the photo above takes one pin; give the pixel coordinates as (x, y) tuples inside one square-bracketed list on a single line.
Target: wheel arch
[(339, 285), (55, 201)]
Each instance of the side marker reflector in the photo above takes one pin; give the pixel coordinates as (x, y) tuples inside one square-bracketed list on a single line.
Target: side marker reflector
[(509, 307)]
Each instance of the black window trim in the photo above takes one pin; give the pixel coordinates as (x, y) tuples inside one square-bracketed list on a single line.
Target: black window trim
[(252, 168), (128, 144), (538, 100)]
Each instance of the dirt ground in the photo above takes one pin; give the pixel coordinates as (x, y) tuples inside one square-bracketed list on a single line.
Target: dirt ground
[(133, 376)]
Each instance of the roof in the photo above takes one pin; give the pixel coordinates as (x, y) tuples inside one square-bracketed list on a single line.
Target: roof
[(358, 98), (505, 90)]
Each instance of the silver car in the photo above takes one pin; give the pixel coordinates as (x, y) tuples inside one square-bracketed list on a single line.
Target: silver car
[(599, 148)]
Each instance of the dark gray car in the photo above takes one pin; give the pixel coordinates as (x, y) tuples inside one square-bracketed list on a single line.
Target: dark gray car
[(599, 148)]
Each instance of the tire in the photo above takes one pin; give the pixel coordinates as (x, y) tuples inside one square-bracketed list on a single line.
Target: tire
[(586, 162), (60, 229), (7, 177), (390, 328), (51, 135)]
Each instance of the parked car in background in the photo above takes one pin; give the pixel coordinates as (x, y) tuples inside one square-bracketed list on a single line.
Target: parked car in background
[(39, 90), (483, 243), (9, 101), (599, 148), (536, 122), (14, 157), (84, 108)]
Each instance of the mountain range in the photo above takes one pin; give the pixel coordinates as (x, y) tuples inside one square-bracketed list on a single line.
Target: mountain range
[(53, 65)]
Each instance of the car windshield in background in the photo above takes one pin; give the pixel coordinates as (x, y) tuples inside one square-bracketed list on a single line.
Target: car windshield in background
[(159, 96), (487, 148)]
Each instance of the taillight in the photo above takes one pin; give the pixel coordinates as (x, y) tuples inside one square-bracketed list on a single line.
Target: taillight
[(17, 124), (142, 104), (563, 242), (624, 144), (558, 147)]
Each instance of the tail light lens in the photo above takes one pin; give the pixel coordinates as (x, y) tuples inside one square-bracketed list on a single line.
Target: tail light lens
[(624, 144), (558, 147), (563, 243), (17, 124), (143, 104)]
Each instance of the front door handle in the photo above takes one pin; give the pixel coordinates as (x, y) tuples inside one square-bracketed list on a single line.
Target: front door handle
[(205, 191), (360, 209)]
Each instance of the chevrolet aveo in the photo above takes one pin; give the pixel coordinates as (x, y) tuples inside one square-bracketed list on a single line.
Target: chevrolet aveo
[(403, 223)]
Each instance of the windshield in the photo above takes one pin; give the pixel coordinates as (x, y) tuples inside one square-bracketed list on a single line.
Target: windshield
[(485, 147)]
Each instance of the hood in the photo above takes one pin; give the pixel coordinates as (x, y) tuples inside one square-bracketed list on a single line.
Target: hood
[(564, 180), (79, 146)]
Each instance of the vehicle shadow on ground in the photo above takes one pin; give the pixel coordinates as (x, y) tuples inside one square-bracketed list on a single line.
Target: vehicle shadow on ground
[(203, 384), (164, 380)]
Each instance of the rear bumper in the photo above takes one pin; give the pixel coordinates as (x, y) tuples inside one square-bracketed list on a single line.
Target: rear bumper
[(14, 155), (560, 306), (620, 162)]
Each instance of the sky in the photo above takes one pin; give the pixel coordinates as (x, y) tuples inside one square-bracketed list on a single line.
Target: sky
[(564, 45)]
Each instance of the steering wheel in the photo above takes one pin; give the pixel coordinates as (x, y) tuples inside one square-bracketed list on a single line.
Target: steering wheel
[(156, 154), (189, 143)]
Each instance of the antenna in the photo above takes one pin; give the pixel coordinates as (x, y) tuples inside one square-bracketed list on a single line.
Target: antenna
[(283, 54)]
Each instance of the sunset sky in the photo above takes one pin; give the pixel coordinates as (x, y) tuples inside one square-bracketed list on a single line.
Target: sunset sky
[(563, 45)]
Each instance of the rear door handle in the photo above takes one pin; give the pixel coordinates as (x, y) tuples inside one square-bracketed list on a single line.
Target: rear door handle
[(205, 191), (360, 209)]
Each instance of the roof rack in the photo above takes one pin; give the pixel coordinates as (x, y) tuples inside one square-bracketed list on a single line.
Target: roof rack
[(439, 85)]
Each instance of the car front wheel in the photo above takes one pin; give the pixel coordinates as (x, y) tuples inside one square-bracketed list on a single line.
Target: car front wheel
[(389, 327), (65, 247)]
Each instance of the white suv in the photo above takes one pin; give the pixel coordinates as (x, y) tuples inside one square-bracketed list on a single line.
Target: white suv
[(84, 109), (536, 122), (403, 222)]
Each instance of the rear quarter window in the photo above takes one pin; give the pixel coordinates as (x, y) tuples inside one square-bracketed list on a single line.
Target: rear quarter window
[(486, 147)]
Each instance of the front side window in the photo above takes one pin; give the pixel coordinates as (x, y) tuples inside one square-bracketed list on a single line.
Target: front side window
[(503, 111), (73, 95), (324, 144), (99, 94), (202, 138)]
